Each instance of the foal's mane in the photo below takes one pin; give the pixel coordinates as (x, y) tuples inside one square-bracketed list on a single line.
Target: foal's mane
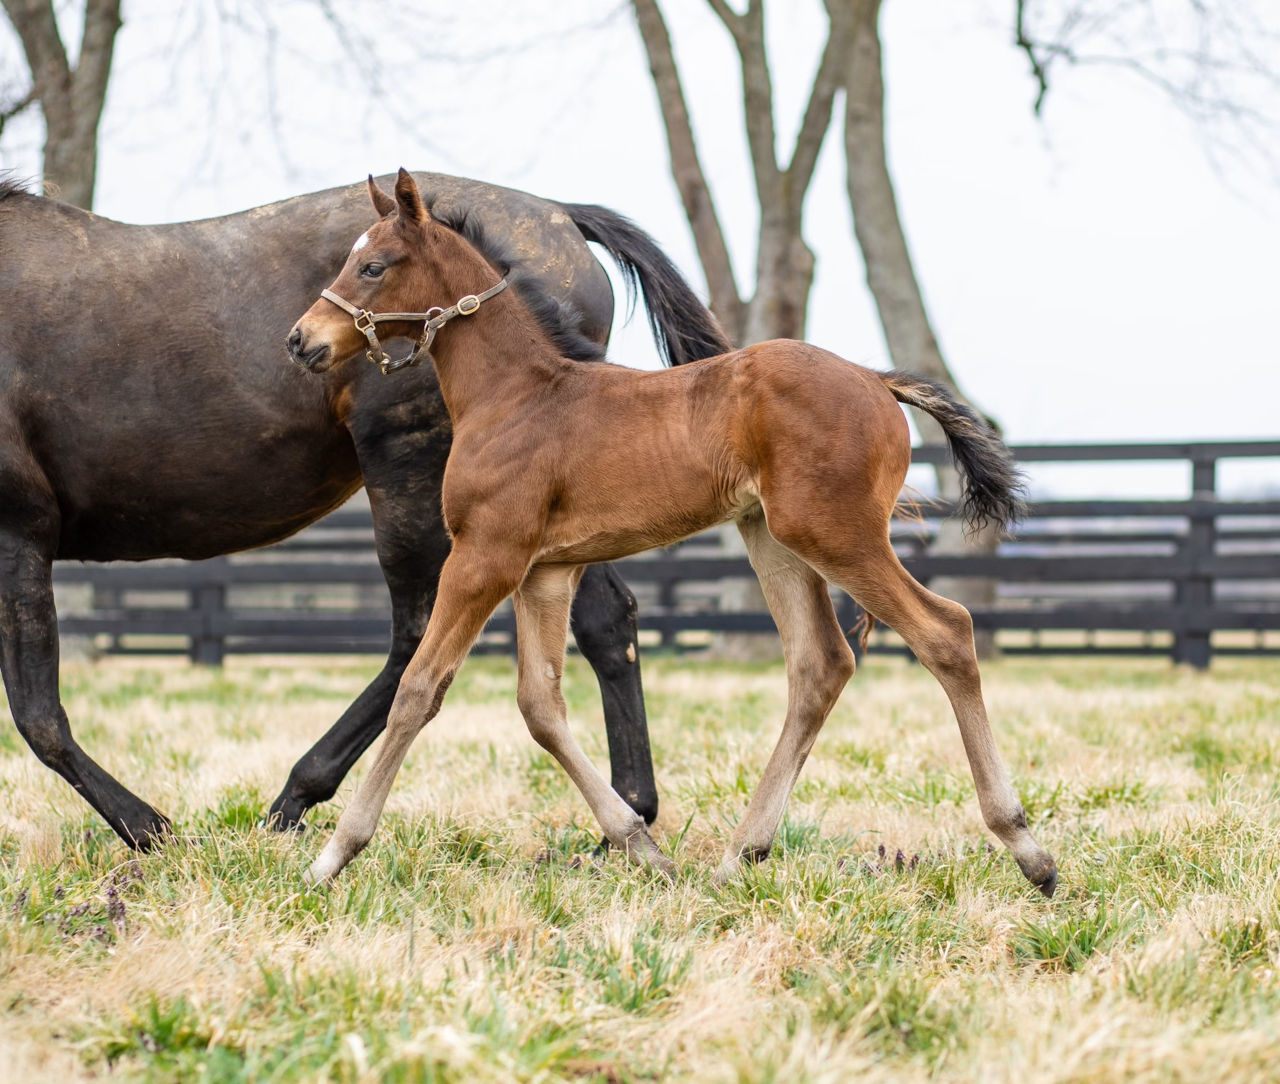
[(558, 319)]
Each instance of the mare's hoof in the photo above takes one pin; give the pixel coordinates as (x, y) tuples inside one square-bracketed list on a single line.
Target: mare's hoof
[(155, 835), (276, 823), (285, 816)]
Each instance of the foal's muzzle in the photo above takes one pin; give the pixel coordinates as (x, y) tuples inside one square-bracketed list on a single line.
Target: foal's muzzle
[(306, 359)]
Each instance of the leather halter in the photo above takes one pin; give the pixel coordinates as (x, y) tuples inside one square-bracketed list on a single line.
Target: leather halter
[(434, 319)]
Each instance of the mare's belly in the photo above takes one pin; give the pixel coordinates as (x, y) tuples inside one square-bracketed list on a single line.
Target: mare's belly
[(200, 510)]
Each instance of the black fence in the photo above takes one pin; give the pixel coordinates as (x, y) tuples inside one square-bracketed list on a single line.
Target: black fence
[(1188, 578)]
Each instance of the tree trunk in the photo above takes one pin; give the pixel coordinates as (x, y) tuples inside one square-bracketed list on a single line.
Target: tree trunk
[(892, 279), (71, 99), (777, 310)]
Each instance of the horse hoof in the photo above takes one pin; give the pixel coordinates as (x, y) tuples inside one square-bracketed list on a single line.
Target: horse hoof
[(724, 873), (1049, 883), (324, 869), (278, 824)]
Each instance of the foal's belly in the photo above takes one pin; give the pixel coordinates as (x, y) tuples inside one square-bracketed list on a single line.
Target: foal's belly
[(570, 540)]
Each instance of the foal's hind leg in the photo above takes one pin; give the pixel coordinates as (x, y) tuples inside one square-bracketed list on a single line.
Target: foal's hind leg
[(542, 623), (472, 584), (940, 633), (819, 664)]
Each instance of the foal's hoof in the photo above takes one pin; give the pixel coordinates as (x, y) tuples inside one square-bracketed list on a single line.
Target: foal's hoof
[(641, 848), (324, 869), (1044, 875)]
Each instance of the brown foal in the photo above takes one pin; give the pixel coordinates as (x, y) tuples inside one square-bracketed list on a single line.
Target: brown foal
[(557, 464)]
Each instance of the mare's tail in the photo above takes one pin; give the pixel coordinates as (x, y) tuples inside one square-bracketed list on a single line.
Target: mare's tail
[(992, 484), (682, 326)]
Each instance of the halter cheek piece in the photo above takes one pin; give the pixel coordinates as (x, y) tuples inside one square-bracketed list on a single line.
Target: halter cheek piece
[(434, 319)]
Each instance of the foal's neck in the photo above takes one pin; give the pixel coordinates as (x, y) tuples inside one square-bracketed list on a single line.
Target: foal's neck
[(496, 355)]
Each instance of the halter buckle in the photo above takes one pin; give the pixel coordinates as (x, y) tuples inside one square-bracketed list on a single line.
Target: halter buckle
[(467, 305), (390, 365), (369, 323)]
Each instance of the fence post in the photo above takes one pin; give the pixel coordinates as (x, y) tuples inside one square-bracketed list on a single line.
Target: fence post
[(1193, 645), (208, 599)]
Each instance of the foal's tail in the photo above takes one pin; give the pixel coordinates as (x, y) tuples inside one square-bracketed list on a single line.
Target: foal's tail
[(993, 485), (682, 326)]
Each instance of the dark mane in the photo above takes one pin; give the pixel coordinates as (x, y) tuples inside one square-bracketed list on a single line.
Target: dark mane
[(558, 319), (10, 187)]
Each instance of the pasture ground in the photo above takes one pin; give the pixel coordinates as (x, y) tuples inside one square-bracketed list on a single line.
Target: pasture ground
[(884, 939)]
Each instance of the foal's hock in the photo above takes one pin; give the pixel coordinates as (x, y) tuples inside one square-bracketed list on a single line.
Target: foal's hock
[(557, 464)]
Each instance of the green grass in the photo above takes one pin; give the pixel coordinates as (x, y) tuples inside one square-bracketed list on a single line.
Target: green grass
[(481, 937)]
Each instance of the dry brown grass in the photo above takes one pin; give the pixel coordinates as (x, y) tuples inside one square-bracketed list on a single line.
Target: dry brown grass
[(466, 945)]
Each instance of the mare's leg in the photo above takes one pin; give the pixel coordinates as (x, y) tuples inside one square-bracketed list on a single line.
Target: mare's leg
[(412, 570), (29, 662), (940, 633), (819, 665), (603, 619), (472, 584), (542, 618)]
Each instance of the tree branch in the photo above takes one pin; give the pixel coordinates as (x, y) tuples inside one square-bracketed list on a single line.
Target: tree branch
[(691, 181), (757, 100), (37, 29), (731, 19), (8, 112), (817, 114), (93, 67), (1204, 58), (1038, 69)]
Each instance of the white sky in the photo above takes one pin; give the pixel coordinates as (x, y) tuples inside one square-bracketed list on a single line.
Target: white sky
[(1090, 277)]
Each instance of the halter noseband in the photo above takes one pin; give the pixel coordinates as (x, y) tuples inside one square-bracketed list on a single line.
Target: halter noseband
[(434, 319)]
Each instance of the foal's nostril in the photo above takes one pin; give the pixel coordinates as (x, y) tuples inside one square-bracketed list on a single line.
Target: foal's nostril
[(295, 341)]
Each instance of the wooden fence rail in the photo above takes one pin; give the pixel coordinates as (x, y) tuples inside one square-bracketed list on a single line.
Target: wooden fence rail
[(1188, 578)]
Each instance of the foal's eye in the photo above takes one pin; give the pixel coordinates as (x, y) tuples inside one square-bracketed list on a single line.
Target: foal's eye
[(372, 270)]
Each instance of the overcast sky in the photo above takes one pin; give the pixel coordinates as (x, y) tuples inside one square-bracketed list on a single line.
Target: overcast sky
[(1090, 276)]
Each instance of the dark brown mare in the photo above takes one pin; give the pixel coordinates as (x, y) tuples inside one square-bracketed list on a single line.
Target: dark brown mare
[(140, 417), (556, 465)]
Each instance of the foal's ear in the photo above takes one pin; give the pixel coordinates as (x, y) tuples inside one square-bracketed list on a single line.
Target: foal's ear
[(408, 199), (382, 203)]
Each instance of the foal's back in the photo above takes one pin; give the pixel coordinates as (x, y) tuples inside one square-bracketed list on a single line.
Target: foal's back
[(643, 459)]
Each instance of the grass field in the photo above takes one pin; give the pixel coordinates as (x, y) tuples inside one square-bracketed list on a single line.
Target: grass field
[(885, 938)]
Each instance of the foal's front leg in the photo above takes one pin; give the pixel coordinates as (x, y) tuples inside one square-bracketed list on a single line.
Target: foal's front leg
[(472, 584), (542, 624)]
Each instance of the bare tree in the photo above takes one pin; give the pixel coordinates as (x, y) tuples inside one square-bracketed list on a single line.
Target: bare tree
[(778, 304), (779, 300), (70, 96), (891, 277), (784, 261)]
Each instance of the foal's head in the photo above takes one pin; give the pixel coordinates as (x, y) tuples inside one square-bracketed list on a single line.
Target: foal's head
[(404, 262)]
